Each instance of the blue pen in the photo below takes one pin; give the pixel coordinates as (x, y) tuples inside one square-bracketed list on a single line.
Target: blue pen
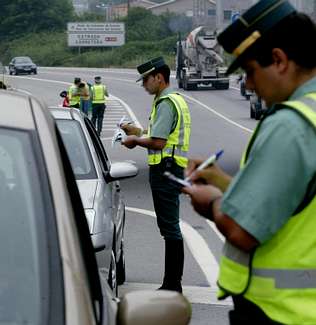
[(210, 160)]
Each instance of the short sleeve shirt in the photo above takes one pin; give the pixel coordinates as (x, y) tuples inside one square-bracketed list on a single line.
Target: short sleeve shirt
[(266, 192), (166, 118)]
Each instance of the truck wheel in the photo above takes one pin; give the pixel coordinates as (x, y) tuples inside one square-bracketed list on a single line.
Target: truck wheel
[(252, 114), (185, 84), (242, 89), (257, 115), (257, 112), (120, 267)]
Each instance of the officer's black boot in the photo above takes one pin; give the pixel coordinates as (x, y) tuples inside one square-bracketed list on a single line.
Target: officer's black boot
[(174, 260)]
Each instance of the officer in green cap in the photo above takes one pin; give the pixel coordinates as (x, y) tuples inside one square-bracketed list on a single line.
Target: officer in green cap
[(99, 95), (267, 211), (167, 141)]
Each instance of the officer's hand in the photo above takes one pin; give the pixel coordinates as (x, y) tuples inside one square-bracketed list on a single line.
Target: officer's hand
[(192, 165), (130, 141), (130, 129), (201, 198), (212, 175)]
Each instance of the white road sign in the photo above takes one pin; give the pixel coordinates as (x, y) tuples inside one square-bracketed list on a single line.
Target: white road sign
[(96, 34)]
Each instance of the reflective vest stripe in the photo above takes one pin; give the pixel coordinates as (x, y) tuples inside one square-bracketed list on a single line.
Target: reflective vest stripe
[(170, 151), (289, 279), (181, 129)]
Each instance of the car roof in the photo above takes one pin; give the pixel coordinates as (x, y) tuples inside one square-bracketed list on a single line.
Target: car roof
[(65, 113), (16, 110), (22, 57)]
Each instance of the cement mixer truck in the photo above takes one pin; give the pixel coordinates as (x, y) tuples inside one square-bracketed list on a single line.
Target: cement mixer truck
[(199, 61)]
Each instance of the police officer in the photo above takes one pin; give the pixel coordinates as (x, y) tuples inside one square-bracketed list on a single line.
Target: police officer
[(99, 94), (267, 212), (74, 94), (167, 142)]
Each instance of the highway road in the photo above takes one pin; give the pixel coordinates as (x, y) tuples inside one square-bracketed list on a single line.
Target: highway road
[(220, 120)]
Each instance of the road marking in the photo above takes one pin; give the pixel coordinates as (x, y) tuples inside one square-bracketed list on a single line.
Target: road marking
[(197, 245), (214, 228), (195, 295), (216, 113), (133, 116)]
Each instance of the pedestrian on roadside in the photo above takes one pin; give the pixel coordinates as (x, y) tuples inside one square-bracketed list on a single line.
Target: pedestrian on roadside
[(64, 95), (74, 93), (84, 97), (267, 212), (99, 94), (167, 141)]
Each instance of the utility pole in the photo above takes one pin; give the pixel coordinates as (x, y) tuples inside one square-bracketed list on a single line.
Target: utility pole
[(299, 5), (219, 15)]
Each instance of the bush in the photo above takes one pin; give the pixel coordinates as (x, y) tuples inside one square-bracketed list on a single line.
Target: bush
[(50, 49)]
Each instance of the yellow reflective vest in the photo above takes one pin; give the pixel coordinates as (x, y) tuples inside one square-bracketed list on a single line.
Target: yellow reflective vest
[(179, 139), (98, 94), (280, 275), (73, 95)]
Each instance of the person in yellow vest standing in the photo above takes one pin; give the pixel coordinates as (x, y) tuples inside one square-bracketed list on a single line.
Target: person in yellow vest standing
[(167, 141), (84, 96), (267, 212), (99, 94), (74, 93)]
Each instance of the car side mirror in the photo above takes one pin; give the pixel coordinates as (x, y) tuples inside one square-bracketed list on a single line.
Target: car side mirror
[(154, 308), (121, 170)]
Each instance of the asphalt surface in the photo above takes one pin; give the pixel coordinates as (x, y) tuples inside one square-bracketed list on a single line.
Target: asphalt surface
[(220, 120)]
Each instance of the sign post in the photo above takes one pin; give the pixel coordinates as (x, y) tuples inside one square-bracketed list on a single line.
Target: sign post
[(86, 34)]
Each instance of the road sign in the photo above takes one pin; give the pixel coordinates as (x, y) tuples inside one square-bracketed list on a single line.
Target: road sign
[(86, 34), (235, 16)]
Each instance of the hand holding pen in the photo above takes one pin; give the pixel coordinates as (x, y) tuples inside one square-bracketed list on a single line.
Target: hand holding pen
[(206, 163)]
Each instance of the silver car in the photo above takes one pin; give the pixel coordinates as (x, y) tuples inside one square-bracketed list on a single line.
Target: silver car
[(97, 180), (48, 272)]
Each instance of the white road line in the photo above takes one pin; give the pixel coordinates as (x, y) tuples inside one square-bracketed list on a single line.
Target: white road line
[(197, 246), (195, 295), (133, 116), (214, 228), (216, 113)]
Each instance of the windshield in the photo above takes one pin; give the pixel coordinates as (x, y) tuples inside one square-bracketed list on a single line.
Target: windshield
[(77, 149), (22, 289), (23, 60)]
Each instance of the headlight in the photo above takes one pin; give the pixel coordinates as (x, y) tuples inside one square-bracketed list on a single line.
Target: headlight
[(90, 214)]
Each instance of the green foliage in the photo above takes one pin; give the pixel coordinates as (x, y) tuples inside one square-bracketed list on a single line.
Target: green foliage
[(31, 16), (142, 24), (158, 37)]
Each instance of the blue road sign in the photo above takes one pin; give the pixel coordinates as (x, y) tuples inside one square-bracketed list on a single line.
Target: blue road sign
[(235, 16)]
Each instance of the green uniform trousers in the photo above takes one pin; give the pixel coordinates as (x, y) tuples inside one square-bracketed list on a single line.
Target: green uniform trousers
[(165, 195)]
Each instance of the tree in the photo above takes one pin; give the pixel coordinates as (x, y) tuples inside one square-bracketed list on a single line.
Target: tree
[(142, 24), (23, 16)]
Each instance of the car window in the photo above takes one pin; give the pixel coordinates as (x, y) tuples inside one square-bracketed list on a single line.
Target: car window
[(24, 252), (98, 145), (77, 149), (83, 233), (23, 60)]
